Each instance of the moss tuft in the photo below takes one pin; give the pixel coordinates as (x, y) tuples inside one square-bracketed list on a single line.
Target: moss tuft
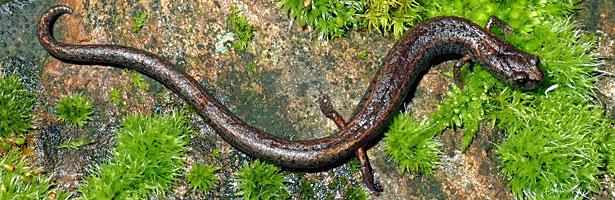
[(466, 108), (18, 181), (202, 177), (554, 160), (355, 193), (116, 96), (241, 27), (147, 160), (261, 181), (411, 145), (396, 16), (329, 17), (137, 79), (16, 104), (137, 22), (74, 109)]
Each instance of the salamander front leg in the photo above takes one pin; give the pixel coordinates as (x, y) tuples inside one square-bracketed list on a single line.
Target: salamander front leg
[(366, 171), (504, 27), (327, 108), (457, 70)]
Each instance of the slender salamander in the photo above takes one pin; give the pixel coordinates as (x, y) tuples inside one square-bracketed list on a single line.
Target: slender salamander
[(426, 44)]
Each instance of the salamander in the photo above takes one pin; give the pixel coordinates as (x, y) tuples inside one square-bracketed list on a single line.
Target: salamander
[(426, 44)]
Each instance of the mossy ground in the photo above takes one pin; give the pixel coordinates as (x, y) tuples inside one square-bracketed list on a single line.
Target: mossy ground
[(539, 155), (146, 161), (16, 104)]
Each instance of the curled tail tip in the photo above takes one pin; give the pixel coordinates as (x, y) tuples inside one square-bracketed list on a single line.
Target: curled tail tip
[(60, 9), (45, 25), (56, 11), (50, 15)]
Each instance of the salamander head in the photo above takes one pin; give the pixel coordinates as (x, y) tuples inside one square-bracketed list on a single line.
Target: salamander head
[(518, 69)]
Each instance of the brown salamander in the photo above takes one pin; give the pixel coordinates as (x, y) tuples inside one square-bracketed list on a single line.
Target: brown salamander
[(422, 46)]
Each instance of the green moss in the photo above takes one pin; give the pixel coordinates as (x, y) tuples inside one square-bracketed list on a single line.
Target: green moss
[(329, 17), (306, 189), (362, 55), (396, 16), (18, 181), (137, 80), (215, 154), (147, 160), (609, 151), (251, 69), (241, 27), (202, 177), (554, 154), (355, 193), (20, 141), (261, 181), (562, 115), (137, 22), (74, 109), (58, 194), (557, 136), (74, 144), (466, 108), (116, 97), (5, 145), (16, 104), (411, 145)]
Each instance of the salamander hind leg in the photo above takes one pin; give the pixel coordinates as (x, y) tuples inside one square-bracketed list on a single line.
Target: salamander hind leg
[(327, 108), (366, 171), (457, 70), (504, 27)]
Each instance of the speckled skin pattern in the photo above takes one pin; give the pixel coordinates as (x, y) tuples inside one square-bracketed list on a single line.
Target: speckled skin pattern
[(424, 45)]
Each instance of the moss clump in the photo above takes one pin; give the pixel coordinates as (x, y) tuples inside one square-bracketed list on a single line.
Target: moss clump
[(74, 109), (261, 181), (466, 108), (410, 144), (554, 160), (137, 22), (241, 27), (396, 16), (137, 79), (147, 160), (116, 97), (355, 193), (306, 190), (202, 177), (16, 103), (329, 17), (18, 181)]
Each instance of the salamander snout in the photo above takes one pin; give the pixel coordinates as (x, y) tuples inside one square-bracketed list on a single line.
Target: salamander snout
[(528, 75)]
